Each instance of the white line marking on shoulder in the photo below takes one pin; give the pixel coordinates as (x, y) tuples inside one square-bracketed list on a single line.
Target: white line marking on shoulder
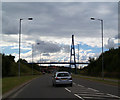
[(80, 85), (78, 96), (74, 83), (113, 96), (93, 89), (67, 90)]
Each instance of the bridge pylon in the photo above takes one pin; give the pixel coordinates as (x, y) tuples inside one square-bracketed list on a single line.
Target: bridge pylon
[(72, 54)]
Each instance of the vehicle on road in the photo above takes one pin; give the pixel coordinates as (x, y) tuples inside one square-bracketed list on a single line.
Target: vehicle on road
[(43, 72), (61, 78)]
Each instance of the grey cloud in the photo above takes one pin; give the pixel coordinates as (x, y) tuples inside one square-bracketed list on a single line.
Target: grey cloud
[(110, 44), (43, 60), (117, 36), (46, 54), (47, 47), (66, 48), (60, 19), (10, 26)]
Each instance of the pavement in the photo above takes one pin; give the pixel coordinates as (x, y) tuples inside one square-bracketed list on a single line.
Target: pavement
[(41, 88)]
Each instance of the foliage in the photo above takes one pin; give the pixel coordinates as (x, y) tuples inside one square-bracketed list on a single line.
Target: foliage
[(10, 67), (111, 64)]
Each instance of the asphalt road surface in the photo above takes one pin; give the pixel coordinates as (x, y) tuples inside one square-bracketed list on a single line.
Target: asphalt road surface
[(81, 89)]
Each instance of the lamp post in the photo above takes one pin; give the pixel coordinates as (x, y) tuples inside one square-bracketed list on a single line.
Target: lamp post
[(32, 56), (40, 54), (102, 44), (20, 22), (78, 54), (32, 59)]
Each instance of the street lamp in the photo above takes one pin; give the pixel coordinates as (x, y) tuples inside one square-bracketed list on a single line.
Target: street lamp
[(32, 59), (20, 20), (78, 55), (40, 52), (102, 44), (32, 56)]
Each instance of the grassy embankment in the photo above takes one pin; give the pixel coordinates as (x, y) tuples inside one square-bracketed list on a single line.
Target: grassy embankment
[(109, 81), (10, 83)]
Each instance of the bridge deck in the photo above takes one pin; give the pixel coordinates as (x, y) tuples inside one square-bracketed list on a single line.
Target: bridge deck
[(60, 63)]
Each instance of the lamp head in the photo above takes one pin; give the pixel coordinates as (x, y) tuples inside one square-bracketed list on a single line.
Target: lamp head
[(92, 18), (38, 43), (30, 18)]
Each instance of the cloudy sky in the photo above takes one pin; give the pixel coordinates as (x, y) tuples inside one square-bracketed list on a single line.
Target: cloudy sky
[(53, 24)]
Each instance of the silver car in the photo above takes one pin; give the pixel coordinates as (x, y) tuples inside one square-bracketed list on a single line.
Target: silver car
[(62, 78)]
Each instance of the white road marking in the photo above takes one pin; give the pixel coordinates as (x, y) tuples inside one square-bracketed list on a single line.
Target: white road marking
[(83, 92), (90, 98), (74, 83), (78, 96), (67, 90), (113, 96), (94, 95), (99, 93), (93, 89), (80, 85)]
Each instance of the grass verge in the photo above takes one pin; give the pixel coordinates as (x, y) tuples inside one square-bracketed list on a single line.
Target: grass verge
[(9, 83), (105, 81)]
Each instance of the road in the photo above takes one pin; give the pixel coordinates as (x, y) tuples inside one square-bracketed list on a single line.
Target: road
[(82, 90)]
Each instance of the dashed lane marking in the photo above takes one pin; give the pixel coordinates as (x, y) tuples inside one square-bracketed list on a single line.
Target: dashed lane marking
[(67, 90), (93, 89), (74, 83), (84, 93), (78, 96), (80, 85), (113, 96)]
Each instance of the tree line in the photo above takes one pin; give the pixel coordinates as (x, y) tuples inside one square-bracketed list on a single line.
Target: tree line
[(10, 67), (111, 63)]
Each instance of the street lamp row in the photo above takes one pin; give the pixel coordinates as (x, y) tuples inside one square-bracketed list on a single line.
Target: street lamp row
[(20, 20), (32, 57), (38, 44), (102, 44)]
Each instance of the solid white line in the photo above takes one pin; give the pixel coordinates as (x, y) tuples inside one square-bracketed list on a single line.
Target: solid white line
[(78, 96), (113, 96), (93, 89), (80, 85), (67, 90)]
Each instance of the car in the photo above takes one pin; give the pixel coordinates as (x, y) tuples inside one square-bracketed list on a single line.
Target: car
[(60, 78), (43, 72)]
